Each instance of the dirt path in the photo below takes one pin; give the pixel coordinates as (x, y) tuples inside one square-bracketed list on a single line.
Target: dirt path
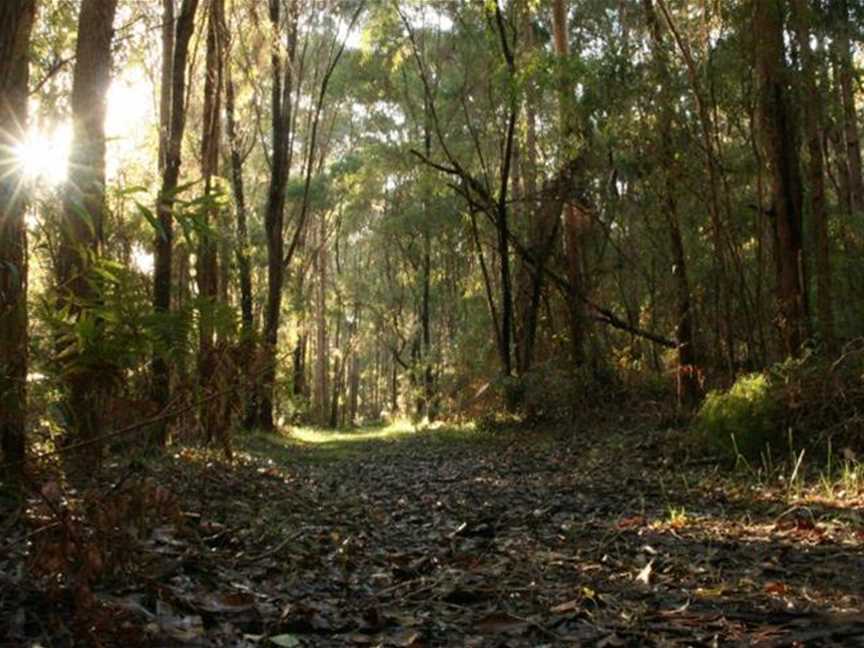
[(437, 539)]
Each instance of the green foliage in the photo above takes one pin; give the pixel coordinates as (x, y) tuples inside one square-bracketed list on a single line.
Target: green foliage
[(813, 400), (744, 419), (111, 335)]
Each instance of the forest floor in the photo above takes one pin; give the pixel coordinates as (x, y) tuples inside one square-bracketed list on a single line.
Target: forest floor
[(392, 537)]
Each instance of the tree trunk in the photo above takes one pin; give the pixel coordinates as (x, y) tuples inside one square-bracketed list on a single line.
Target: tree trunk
[(322, 346), (426, 278), (207, 274), (338, 373), (845, 75), (299, 367), (243, 264), (84, 203), (813, 120), (722, 294), (689, 389), (502, 209), (274, 217), (543, 230), (168, 27), (174, 84), (576, 220), (354, 370), (779, 140), (394, 385), (16, 24)]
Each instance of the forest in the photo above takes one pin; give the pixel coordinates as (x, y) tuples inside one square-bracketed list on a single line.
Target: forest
[(504, 323)]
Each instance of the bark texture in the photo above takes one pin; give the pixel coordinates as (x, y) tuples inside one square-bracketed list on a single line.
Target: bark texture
[(84, 209), (175, 86), (780, 143), (813, 127), (282, 72), (576, 218), (16, 23)]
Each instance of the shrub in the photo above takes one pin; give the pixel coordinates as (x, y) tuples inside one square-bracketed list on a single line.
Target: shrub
[(745, 419)]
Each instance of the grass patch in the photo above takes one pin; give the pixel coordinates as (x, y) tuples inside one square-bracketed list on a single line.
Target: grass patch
[(320, 446)]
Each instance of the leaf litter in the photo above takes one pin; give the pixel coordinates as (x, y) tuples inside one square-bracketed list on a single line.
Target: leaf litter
[(511, 542)]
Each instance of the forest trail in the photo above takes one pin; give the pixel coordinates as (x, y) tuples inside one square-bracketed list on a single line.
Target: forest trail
[(459, 538)]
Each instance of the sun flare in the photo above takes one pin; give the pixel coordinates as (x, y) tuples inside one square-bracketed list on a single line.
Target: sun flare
[(43, 156)]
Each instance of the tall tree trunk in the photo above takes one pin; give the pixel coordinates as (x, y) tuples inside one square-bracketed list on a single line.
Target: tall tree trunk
[(338, 372), (322, 346), (174, 85), (394, 385), (426, 279), (543, 229), (166, 70), (238, 187), (780, 142), (84, 200), (813, 120), (16, 24), (282, 79), (353, 368), (576, 220), (689, 389), (207, 274), (300, 388), (722, 297), (207, 271), (502, 210), (842, 46)]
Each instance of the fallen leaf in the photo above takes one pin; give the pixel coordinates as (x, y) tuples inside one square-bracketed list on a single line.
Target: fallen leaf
[(500, 623), (630, 522), (404, 639), (568, 606), (645, 573), (226, 603)]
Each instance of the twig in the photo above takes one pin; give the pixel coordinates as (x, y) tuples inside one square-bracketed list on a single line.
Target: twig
[(274, 550)]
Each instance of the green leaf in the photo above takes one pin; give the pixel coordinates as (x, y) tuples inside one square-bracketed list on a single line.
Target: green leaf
[(286, 641), (79, 210), (151, 218)]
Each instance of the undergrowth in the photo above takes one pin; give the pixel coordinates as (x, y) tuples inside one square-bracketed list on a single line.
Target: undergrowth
[(802, 404)]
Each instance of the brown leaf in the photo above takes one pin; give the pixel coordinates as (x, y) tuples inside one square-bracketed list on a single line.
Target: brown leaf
[(226, 603), (777, 588), (632, 522), (568, 606), (501, 623), (404, 639)]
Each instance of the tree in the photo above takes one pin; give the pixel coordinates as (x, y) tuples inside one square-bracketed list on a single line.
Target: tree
[(843, 61), (16, 23), (780, 141), (802, 16), (541, 208), (84, 206), (282, 62), (689, 389), (173, 85), (239, 189), (207, 274), (488, 195), (572, 161)]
